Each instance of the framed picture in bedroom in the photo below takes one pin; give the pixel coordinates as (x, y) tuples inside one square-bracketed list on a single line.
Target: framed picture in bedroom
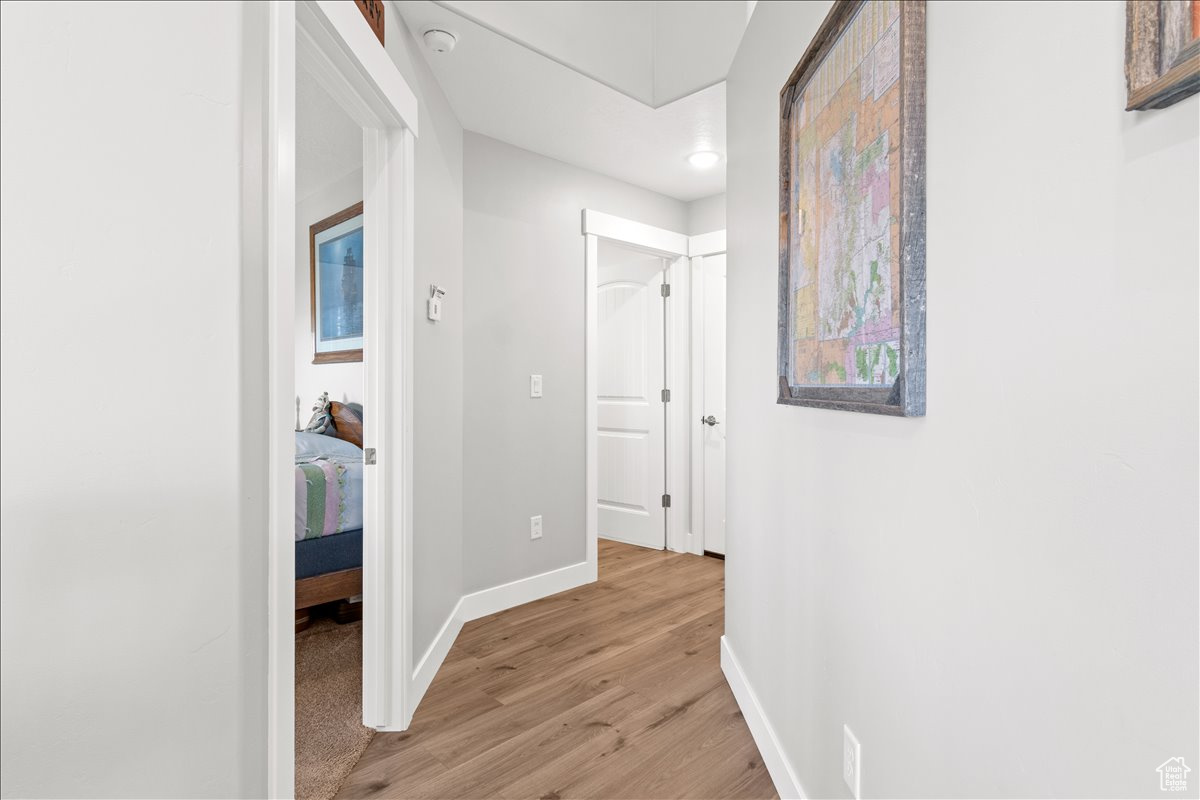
[(335, 255), (852, 213), (1162, 52)]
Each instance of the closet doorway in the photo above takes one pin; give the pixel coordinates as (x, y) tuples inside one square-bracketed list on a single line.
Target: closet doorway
[(635, 384), (631, 401)]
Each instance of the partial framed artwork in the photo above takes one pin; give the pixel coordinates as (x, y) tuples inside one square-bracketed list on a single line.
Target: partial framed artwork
[(373, 13), (852, 213), (1162, 52), (335, 247)]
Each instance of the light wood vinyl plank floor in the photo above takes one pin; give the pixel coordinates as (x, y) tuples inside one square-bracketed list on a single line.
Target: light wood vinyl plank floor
[(612, 690)]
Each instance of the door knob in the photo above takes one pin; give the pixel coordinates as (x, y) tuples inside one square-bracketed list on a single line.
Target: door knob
[(709, 420)]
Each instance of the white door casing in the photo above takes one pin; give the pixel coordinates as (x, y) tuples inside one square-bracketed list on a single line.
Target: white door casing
[(630, 432), (705, 250), (713, 404), (596, 228), (337, 46)]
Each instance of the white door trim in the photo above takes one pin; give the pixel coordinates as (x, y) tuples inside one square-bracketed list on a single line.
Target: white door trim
[(678, 442), (591, 462), (705, 244), (670, 245), (334, 42), (637, 234), (280, 251)]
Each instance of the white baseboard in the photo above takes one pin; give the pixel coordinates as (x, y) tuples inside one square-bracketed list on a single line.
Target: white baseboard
[(489, 601), (781, 771), (507, 595), (429, 664)]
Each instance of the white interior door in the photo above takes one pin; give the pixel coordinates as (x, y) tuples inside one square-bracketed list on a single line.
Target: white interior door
[(630, 414), (714, 404)]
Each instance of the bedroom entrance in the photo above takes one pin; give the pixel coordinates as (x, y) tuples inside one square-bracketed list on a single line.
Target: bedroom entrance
[(330, 349), (336, 142)]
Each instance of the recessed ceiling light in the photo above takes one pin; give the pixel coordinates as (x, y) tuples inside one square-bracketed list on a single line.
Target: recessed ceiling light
[(440, 41), (703, 159)]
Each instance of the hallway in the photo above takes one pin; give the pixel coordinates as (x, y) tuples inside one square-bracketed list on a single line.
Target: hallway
[(612, 690)]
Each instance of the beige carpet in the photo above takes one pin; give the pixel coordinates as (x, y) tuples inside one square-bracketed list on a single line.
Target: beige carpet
[(330, 736)]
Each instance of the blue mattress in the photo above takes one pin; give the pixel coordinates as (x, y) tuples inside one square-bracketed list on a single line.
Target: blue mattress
[(326, 554)]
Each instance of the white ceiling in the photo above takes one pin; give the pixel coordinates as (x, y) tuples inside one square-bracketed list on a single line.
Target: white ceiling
[(655, 52), (626, 89), (329, 145)]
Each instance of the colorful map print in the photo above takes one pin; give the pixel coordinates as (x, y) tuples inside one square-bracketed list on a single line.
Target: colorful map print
[(844, 237)]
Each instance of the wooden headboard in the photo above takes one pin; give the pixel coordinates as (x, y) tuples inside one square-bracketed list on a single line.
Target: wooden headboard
[(347, 423)]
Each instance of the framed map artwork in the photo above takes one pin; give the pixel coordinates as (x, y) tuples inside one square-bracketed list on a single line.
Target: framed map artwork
[(852, 213), (1162, 52)]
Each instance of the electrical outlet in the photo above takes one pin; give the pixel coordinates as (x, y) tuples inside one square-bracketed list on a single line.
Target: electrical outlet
[(535, 527), (851, 762)]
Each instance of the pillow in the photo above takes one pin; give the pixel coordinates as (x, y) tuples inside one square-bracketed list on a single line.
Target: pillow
[(317, 445), (322, 421)]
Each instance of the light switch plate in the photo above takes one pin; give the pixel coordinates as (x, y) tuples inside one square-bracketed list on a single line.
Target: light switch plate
[(535, 385)]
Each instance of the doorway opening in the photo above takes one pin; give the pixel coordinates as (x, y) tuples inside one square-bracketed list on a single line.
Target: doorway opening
[(708, 273), (631, 395), (636, 344), (624, 262), (330, 350), (343, 55)]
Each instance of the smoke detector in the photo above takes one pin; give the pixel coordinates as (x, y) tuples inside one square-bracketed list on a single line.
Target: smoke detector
[(440, 41)]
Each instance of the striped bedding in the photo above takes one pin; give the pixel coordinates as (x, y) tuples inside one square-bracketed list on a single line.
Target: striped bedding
[(329, 497)]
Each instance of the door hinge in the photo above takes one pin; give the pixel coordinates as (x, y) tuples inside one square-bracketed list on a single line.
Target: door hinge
[(666, 395), (666, 501), (666, 290), (369, 456)]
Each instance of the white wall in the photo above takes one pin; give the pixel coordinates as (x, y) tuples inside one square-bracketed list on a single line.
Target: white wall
[(706, 215), (999, 598), (524, 314), (438, 347), (343, 381), (133, 553), (133, 561)]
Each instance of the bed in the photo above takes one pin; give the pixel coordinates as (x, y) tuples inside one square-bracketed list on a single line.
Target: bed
[(328, 527)]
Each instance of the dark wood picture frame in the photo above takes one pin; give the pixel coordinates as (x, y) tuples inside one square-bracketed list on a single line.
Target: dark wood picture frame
[(1162, 52), (906, 396), (339, 356)]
